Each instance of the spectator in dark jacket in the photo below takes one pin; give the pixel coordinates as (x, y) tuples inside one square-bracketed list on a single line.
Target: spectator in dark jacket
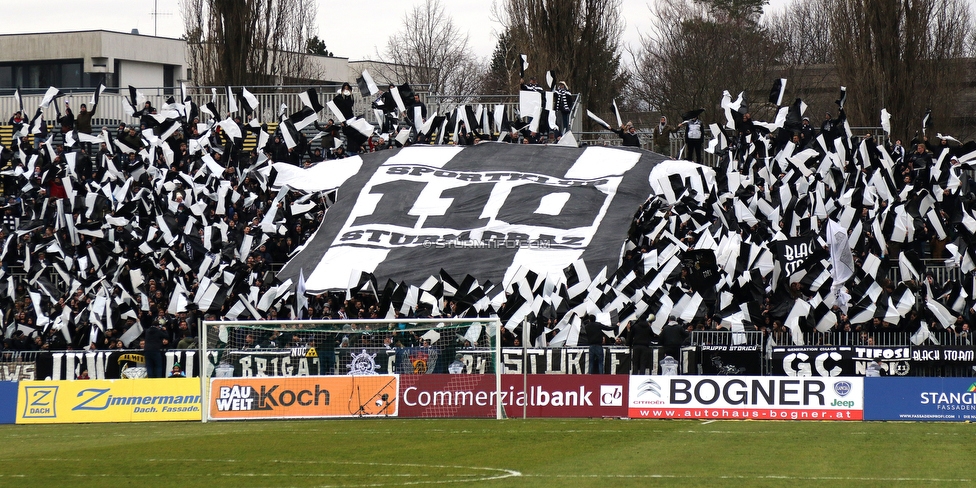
[(639, 340), (629, 134), (344, 101)]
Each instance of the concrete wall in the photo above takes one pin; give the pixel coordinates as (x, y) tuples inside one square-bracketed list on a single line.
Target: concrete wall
[(141, 74)]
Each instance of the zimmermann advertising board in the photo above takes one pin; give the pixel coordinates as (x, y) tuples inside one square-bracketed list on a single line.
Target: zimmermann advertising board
[(746, 397)]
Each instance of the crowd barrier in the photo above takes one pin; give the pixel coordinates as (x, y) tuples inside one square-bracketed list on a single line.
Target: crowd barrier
[(474, 396), (748, 358)]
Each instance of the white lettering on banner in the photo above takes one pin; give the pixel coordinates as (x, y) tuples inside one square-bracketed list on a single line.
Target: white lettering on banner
[(887, 353), (797, 364), (794, 254), (939, 398), (257, 366), (537, 397), (67, 365), (891, 368), (407, 205), (17, 371), (234, 398)]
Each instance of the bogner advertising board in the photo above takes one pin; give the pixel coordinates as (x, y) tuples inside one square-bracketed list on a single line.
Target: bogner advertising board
[(82, 401), (545, 396), (272, 397), (746, 397)]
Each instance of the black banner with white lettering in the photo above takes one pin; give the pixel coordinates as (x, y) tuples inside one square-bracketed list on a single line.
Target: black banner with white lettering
[(418, 360), (939, 355), (109, 365), (479, 210), (813, 361), (725, 359), (792, 252)]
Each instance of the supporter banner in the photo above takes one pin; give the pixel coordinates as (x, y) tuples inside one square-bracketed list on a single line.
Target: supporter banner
[(895, 360), (567, 360), (307, 397), (481, 210), (139, 400), (109, 365), (813, 361), (544, 396), (792, 252), (417, 360), (941, 355), (8, 402), (17, 371), (282, 362), (914, 399), (745, 397), (725, 359)]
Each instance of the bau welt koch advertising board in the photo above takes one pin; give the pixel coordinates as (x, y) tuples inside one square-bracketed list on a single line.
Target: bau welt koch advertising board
[(746, 397), (273, 397)]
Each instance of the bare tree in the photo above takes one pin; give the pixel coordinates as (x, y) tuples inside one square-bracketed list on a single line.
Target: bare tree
[(431, 50), (248, 42), (698, 50), (502, 74), (579, 39), (901, 55)]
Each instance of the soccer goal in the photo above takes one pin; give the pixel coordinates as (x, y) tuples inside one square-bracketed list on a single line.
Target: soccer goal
[(349, 368)]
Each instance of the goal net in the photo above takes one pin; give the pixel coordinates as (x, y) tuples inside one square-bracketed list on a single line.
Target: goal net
[(343, 368)]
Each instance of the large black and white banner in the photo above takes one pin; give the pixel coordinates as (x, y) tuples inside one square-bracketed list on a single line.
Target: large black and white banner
[(482, 210)]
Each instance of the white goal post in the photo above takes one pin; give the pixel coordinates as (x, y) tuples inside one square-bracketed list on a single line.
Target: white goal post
[(223, 340)]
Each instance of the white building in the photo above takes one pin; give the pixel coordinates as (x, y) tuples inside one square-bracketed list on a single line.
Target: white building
[(84, 59)]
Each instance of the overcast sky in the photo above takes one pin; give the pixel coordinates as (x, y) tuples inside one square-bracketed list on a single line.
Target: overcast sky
[(348, 29)]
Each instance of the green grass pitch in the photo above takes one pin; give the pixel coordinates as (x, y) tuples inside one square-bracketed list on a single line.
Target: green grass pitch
[(489, 453)]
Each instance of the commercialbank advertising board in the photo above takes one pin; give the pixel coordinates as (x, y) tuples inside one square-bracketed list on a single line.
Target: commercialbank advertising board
[(546, 396), (133, 400), (746, 397), (276, 397)]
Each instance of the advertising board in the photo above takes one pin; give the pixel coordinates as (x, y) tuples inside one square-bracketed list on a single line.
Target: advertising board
[(8, 402), (82, 401), (745, 397), (913, 399), (547, 396), (303, 397)]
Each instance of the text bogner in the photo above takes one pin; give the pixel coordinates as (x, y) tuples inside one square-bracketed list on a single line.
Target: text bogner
[(738, 392)]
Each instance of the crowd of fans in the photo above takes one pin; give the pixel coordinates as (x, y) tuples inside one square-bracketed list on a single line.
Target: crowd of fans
[(99, 238)]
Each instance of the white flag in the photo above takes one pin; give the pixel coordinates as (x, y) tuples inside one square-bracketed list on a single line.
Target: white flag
[(841, 259)]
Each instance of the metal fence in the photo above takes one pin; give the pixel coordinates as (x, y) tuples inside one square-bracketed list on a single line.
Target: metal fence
[(677, 143), (112, 103)]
